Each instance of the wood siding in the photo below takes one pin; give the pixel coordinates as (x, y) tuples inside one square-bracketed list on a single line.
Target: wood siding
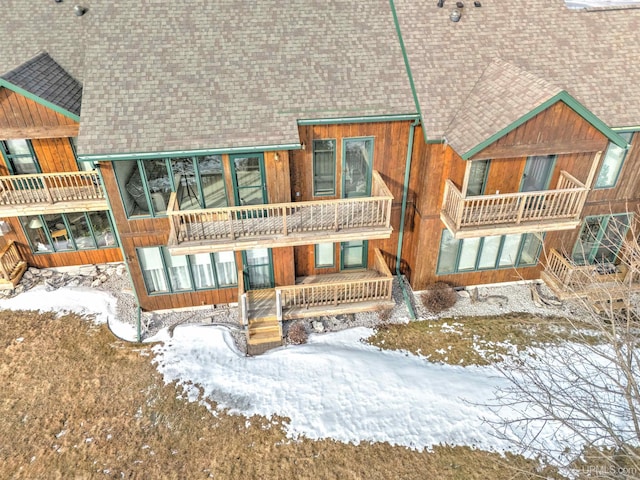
[(557, 130), (390, 143), (21, 117)]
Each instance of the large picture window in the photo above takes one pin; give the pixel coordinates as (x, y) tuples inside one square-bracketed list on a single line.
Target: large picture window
[(20, 157), (324, 167), (63, 232), (145, 185), (166, 273), (612, 163), (487, 253)]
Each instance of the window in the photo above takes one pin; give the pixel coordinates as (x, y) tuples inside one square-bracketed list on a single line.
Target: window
[(357, 167), (166, 273), (600, 239), (82, 166), (612, 163), (63, 232), (325, 255), (145, 185), (477, 177), (487, 253), (324, 166), (354, 254), (20, 157)]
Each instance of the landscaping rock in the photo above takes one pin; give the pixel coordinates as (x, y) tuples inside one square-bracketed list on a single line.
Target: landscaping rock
[(317, 326)]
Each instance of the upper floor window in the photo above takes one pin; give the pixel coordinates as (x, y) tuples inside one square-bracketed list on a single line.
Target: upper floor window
[(479, 170), (612, 163), (324, 167), (600, 239), (20, 157), (145, 185), (357, 167), (487, 253), (63, 232)]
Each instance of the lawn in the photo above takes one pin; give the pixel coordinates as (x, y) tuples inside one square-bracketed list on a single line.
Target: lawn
[(77, 403)]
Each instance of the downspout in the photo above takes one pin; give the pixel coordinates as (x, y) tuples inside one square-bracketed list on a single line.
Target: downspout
[(124, 258), (405, 195)]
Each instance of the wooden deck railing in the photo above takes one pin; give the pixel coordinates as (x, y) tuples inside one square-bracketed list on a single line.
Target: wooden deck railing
[(243, 304), (565, 202), (10, 260), (574, 277), (336, 293), (50, 188), (282, 219)]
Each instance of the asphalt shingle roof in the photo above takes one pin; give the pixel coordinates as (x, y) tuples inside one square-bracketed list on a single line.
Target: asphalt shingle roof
[(43, 77), (503, 94), (593, 55)]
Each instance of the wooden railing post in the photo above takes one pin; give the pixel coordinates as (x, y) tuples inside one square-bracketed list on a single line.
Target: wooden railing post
[(244, 309), (278, 304), (285, 230)]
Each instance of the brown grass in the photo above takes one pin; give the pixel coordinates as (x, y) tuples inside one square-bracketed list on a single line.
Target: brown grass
[(77, 403), (459, 341)]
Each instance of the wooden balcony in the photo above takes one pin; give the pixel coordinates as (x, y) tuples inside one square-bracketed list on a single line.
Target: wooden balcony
[(262, 311), (12, 266), (601, 285), (280, 224), (50, 193), (499, 214)]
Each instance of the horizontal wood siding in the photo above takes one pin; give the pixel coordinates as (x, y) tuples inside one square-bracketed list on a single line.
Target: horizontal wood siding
[(390, 140), (21, 117)]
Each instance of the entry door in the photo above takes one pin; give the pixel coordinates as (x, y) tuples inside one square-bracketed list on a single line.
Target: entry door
[(258, 268), (249, 185), (357, 161), (353, 254), (537, 173)]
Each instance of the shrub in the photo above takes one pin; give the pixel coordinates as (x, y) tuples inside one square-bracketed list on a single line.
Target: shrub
[(297, 334), (384, 314), (439, 297)]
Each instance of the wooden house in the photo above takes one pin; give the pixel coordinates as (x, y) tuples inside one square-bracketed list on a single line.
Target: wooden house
[(293, 166)]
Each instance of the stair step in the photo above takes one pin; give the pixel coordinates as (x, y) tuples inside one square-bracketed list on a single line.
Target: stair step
[(265, 336)]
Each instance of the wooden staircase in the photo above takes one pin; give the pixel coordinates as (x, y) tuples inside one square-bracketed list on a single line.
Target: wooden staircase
[(263, 334), (12, 266)]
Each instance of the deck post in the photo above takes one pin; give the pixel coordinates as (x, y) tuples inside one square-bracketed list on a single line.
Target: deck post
[(244, 310), (279, 304)]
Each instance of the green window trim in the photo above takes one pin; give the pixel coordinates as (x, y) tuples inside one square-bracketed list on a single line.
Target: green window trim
[(324, 176), (611, 153), (349, 192), (167, 279), (317, 255), (579, 254), (482, 248), (108, 236), (364, 259), (10, 157), (82, 166)]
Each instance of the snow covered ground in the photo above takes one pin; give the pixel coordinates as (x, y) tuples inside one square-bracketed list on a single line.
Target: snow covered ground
[(335, 386)]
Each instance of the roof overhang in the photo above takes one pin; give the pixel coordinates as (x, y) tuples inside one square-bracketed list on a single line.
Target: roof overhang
[(14, 88)]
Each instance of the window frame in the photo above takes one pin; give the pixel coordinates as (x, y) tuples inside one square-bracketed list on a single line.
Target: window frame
[(371, 152), (67, 224), (165, 271), (517, 263), (316, 255), (8, 157), (317, 192), (631, 135), (604, 221)]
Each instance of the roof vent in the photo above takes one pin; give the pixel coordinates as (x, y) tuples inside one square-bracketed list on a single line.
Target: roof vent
[(79, 10), (455, 15)]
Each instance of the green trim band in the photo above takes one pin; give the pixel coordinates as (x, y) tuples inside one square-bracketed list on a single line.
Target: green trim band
[(572, 103), (185, 153), (41, 101), (435, 142), (371, 119)]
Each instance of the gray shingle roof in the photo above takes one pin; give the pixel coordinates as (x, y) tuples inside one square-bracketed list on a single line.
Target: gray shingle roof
[(44, 78), (164, 76), (591, 55), (503, 94)]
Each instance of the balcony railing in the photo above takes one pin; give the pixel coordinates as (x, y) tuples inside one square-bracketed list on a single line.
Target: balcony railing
[(38, 193), (599, 282), (546, 210), (337, 292), (281, 224), (12, 266)]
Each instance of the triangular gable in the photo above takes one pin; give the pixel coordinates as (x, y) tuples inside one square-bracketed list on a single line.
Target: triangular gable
[(504, 98), (42, 80)]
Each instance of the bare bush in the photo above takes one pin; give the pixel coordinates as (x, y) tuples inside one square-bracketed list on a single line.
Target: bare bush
[(439, 297), (297, 334)]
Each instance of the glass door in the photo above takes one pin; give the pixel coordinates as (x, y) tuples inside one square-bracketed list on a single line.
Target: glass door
[(353, 254), (537, 173), (249, 185), (258, 268), (357, 162)]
